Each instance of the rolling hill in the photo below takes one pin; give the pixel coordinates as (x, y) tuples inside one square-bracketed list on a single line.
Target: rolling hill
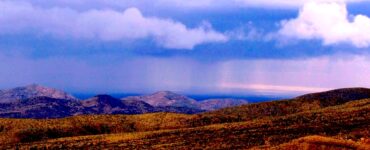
[(338, 119), (299, 104)]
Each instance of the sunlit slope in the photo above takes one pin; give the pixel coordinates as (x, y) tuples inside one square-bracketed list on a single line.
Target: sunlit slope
[(303, 103), (322, 143), (350, 119)]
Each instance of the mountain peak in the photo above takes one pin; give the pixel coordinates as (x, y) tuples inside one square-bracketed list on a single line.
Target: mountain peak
[(165, 93), (31, 91)]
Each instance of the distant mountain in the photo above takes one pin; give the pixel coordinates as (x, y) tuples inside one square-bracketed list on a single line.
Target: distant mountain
[(139, 106), (36, 101), (105, 104), (214, 104), (166, 98), (41, 107), (32, 91)]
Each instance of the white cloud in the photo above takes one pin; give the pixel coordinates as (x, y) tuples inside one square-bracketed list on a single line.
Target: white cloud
[(287, 3), (329, 22), (107, 25), (175, 4)]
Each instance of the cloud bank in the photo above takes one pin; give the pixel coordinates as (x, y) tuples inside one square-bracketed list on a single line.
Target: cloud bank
[(287, 3), (329, 22), (183, 4), (106, 25)]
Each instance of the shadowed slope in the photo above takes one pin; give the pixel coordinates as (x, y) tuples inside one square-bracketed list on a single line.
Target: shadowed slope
[(40, 107)]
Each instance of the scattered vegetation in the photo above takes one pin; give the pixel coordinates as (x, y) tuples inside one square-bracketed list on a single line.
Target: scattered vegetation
[(167, 130), (336, 118), (323, 143)]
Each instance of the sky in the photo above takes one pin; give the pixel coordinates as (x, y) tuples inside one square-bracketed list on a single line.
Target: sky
[(187, 46)]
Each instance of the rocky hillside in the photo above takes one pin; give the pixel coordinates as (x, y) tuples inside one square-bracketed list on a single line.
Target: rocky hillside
[(166, 98), (32, 91)]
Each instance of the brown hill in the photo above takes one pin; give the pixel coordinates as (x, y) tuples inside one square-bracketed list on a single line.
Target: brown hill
[(336, 97), (303, 103), (322, 143), (167, 131)]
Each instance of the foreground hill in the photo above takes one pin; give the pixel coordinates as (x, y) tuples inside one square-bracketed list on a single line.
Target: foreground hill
[(324, 143), (170, 131), (344, 115), (303, 103), (32, 91)]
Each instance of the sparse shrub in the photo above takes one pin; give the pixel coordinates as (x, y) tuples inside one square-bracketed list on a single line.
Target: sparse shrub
[(31, 134)]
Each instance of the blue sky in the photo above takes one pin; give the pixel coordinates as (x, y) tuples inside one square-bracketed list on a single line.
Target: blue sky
[(189, 46)]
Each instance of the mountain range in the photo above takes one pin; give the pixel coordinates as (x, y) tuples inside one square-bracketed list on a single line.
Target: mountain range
[(36, 101)]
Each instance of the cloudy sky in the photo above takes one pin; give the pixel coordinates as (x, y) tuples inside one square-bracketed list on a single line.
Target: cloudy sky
[(189, 46)]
